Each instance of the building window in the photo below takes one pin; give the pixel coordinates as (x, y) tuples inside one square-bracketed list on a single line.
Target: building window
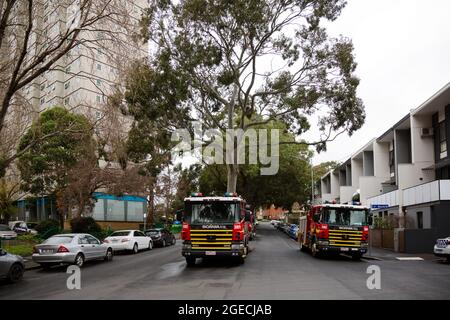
[(392, 161), (43, 86), (66, 101), (442, 139), (67, 85), (419, 220), (99, 99), (42, 100), (99, 66), (99, 82), (68, 69)]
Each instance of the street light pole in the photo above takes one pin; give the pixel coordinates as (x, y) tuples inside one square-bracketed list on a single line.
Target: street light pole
[(312, 183)]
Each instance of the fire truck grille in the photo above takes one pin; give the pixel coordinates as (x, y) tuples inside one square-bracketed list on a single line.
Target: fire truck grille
[(345, 238), (211, 239)]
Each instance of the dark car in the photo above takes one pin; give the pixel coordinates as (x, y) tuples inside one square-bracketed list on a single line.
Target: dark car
[(161, 236)]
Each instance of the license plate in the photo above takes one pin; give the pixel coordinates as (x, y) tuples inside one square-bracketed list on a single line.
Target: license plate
[(210, 253), (345, 249), (439, 250), (115, 241), (46, 251)]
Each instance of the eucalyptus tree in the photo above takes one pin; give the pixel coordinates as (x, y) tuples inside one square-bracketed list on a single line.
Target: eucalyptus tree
[(239, 64)]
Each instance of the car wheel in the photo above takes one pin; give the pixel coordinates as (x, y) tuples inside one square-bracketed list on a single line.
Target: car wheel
[(79, 260), (135, 248), (190, 261), (109, 255), (15, 273), (174, 241), (150, 245), (301, 245), (163, 243)]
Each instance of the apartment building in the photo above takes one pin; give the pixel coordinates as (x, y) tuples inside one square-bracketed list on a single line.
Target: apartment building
[(82, 80), (404, 174)]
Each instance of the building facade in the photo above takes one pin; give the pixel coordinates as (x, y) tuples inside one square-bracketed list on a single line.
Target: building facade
[(403, 175)]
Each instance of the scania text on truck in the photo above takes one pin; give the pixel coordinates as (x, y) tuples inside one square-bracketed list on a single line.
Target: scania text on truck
[(335, 228), (215, 226)]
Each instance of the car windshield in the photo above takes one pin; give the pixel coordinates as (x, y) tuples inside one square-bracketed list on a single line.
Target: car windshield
[(58, 240), (212, 212), (345, 216), (4, 228), (120, 234)]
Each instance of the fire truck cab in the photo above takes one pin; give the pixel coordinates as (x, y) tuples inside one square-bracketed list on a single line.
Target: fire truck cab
[(335, 228), (215, 226)]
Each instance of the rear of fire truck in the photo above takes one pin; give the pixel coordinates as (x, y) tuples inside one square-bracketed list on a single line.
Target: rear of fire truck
[(335, 228), (215, 227)]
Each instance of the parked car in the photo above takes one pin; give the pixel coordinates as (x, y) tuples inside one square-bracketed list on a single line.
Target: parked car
[(11, 266), (22, 227), (71, 248), (293, 231), (161, 236), (6, 233), (442, 248), (133, 240), (280, 226)]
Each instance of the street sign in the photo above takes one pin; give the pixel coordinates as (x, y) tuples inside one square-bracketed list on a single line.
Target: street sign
[(379, 206)]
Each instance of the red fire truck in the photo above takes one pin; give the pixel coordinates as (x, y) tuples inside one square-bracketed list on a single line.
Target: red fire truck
[(215, 226), (335, 228)]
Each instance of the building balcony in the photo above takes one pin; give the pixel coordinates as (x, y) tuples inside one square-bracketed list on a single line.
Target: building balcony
[(428, 192), (390, 199)]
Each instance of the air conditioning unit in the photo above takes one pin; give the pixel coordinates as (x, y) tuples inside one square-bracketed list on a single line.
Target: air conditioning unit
[(426, 132)]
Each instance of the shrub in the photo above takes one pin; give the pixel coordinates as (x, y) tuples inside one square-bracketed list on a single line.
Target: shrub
[(48, 228), (85, 225)]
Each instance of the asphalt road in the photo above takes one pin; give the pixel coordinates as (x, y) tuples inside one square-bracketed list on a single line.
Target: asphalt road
[(275, 269)]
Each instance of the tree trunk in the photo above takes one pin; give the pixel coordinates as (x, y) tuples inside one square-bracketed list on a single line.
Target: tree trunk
[(232, 175), (151, 205)]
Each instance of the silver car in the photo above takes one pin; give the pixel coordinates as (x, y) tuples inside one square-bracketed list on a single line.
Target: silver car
[(6, 233), (71, 248), (11, 266)]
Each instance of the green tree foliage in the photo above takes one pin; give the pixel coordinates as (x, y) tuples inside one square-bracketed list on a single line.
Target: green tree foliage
[(44, 167), (212, 62), (321, 169), (291, 184)]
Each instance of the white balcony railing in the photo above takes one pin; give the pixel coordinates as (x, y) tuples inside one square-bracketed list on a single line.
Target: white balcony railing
[(427, 192), (390, 199)]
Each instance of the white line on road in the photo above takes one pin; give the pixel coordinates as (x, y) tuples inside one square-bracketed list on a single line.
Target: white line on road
[(409, 258)]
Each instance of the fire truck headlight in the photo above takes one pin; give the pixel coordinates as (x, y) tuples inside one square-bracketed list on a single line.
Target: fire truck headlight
[(187, 247), (237, 246), (323, 243), (364, 244)]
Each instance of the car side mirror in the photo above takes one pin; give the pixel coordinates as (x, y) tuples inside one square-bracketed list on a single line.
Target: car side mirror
[(2, 252)]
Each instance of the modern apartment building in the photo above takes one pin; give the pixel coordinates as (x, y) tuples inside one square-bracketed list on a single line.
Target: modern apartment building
[(404, 174), (83, 78)]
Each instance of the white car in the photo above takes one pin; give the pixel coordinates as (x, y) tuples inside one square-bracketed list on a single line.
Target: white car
[(442, 248), (133, 240)]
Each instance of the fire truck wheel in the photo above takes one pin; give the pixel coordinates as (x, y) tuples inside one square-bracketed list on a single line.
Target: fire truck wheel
[(314, 251), (190, 261), (301, 246)]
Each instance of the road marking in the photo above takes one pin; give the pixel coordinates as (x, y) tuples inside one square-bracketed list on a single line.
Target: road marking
[(409, 258)]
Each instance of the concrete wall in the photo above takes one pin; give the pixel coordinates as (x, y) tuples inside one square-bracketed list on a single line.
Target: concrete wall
[(368, 166), (411, 217), (403, 146), (347, 194), (381, 159), (335, 187), (357, 171), (369, 187), (422, 148), (348, 174)]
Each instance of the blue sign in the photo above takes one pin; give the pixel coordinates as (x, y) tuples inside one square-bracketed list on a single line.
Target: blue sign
[(379, 206)]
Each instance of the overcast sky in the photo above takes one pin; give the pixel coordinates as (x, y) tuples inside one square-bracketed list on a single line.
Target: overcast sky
[(403, 52)]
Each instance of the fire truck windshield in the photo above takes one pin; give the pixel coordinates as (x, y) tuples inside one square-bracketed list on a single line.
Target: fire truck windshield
[(344, 216), (211, 212)]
